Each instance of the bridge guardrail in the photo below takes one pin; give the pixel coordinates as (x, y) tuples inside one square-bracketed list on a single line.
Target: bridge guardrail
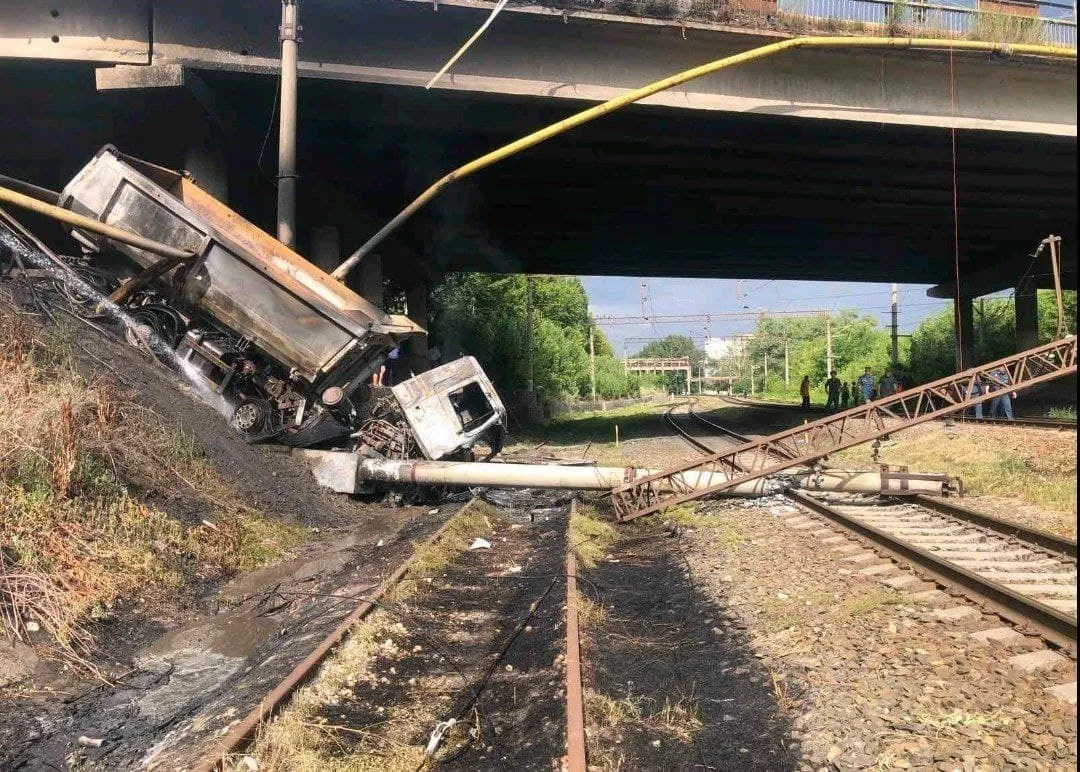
[(904, 17)]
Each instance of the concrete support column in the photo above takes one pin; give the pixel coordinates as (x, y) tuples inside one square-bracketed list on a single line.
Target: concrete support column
[(965, 337), (371, 286), (325, 247), (1027, 315), (207, 166), (416, 302)]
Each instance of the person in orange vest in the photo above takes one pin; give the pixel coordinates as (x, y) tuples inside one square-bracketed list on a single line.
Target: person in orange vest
[(804, 389)]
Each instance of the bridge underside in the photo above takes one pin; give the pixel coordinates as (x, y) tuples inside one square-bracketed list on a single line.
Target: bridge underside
[(650, 191)]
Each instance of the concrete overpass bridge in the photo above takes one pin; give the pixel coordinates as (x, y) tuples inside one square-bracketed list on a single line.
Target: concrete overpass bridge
[(811, 165)]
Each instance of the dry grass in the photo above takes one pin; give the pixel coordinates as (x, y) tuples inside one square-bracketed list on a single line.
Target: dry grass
[(589, 536), (677, 717), (863, 604), (73, 538), (302, 739)]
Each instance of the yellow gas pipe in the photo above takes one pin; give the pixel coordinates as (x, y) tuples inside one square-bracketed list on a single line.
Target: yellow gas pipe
[(638, 94)]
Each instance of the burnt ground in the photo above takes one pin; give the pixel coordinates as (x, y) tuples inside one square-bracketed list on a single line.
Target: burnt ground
[(177, 665), (481, 640), (264, 476), (670, 677), (179, 692)]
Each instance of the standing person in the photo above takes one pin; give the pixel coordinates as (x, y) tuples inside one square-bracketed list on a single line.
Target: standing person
[(866, 385), (845, 396), (392, 361), (888, 384), (976, 390), (832, 392), (1000, 381), (804, 390)]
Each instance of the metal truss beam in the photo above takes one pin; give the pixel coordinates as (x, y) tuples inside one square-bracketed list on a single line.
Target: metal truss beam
[(811, 442)]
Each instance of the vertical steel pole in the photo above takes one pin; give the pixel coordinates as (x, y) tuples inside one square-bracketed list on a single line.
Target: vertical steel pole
[(787, 365), (828, 346), (894, 311), (1055, 267), (765, 385), (290, 41), (529, 334), (592, 363)]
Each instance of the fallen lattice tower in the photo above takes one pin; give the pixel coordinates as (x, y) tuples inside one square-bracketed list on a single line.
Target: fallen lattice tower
[(811, 442)]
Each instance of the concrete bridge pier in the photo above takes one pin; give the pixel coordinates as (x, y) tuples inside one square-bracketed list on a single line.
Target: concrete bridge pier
[(416, 350), (1027, 314)]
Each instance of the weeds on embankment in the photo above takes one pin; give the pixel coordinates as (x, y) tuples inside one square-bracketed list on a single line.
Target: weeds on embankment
[(74, 539)]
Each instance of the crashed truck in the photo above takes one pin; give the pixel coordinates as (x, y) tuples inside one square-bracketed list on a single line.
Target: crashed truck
[(290, 348)]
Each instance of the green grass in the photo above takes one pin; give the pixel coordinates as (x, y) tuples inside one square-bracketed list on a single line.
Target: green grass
[(1039, 470), (1066, 413)]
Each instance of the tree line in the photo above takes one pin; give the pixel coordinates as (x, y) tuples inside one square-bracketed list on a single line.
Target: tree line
[(484, 315)]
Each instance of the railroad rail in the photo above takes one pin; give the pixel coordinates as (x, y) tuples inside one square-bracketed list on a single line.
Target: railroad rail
[(1033, 422), (1036, 422), (1023, 574), (811, 442), (218, 757)]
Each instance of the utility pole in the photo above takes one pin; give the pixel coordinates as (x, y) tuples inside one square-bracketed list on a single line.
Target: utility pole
[(765, 383), (752, 389), (787, 364), (529, 384), (286, 180), (828, 345), (592, 363), (894, 311)]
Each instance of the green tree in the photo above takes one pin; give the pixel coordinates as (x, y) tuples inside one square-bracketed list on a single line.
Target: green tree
[(484, 315), (672, 347)]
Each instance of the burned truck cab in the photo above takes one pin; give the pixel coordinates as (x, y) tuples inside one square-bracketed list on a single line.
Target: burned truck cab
[(290, 348)]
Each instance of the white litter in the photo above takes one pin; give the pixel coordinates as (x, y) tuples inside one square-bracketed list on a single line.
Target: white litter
[(480, 544), (441, 728)]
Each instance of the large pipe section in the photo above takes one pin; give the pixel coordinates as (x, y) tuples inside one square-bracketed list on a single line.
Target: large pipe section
[(88, 223), (286, 180), (350, 473), (619, 102)]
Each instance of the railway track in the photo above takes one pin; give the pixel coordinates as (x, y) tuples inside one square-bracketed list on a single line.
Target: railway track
[(1060, 424), (478, 646), (1022, 574)]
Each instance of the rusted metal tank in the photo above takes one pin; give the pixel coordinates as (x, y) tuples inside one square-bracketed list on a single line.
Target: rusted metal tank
[(246, 280)]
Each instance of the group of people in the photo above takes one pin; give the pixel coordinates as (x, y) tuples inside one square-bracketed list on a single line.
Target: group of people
[(840, 394), (998, 383)]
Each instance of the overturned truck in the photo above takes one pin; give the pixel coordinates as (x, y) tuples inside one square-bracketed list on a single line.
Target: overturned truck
[(289, 348)]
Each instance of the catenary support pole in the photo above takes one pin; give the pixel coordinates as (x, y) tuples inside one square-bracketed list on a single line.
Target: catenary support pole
[(286, 181), (894, 313), (592, 363), (529, 383), (787, 364), (828, 345)]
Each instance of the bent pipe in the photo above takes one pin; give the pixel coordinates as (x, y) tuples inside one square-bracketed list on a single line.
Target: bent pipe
[(88, 223), (610, 106)]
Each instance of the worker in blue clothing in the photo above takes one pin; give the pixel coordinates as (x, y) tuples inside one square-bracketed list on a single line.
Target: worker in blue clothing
[(1000, 381), (977, 391), (866, 385)]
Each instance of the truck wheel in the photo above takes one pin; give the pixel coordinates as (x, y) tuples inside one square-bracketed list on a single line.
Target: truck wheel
[(249, 417)]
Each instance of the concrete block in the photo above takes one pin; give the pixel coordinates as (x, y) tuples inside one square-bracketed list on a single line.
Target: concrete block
[(954, 614), (1005, 636), (1033, 661), (1064, 692), (932, 597), (884, 568), (900, 582), (863, 557)]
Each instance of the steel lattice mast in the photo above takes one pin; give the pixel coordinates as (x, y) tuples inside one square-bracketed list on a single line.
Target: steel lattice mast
[(811, 442)]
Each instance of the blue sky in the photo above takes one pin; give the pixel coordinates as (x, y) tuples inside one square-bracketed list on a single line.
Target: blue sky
[(620, 296)]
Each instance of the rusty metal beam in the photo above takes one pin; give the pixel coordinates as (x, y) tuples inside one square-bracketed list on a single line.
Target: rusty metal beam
[(813, 441)]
